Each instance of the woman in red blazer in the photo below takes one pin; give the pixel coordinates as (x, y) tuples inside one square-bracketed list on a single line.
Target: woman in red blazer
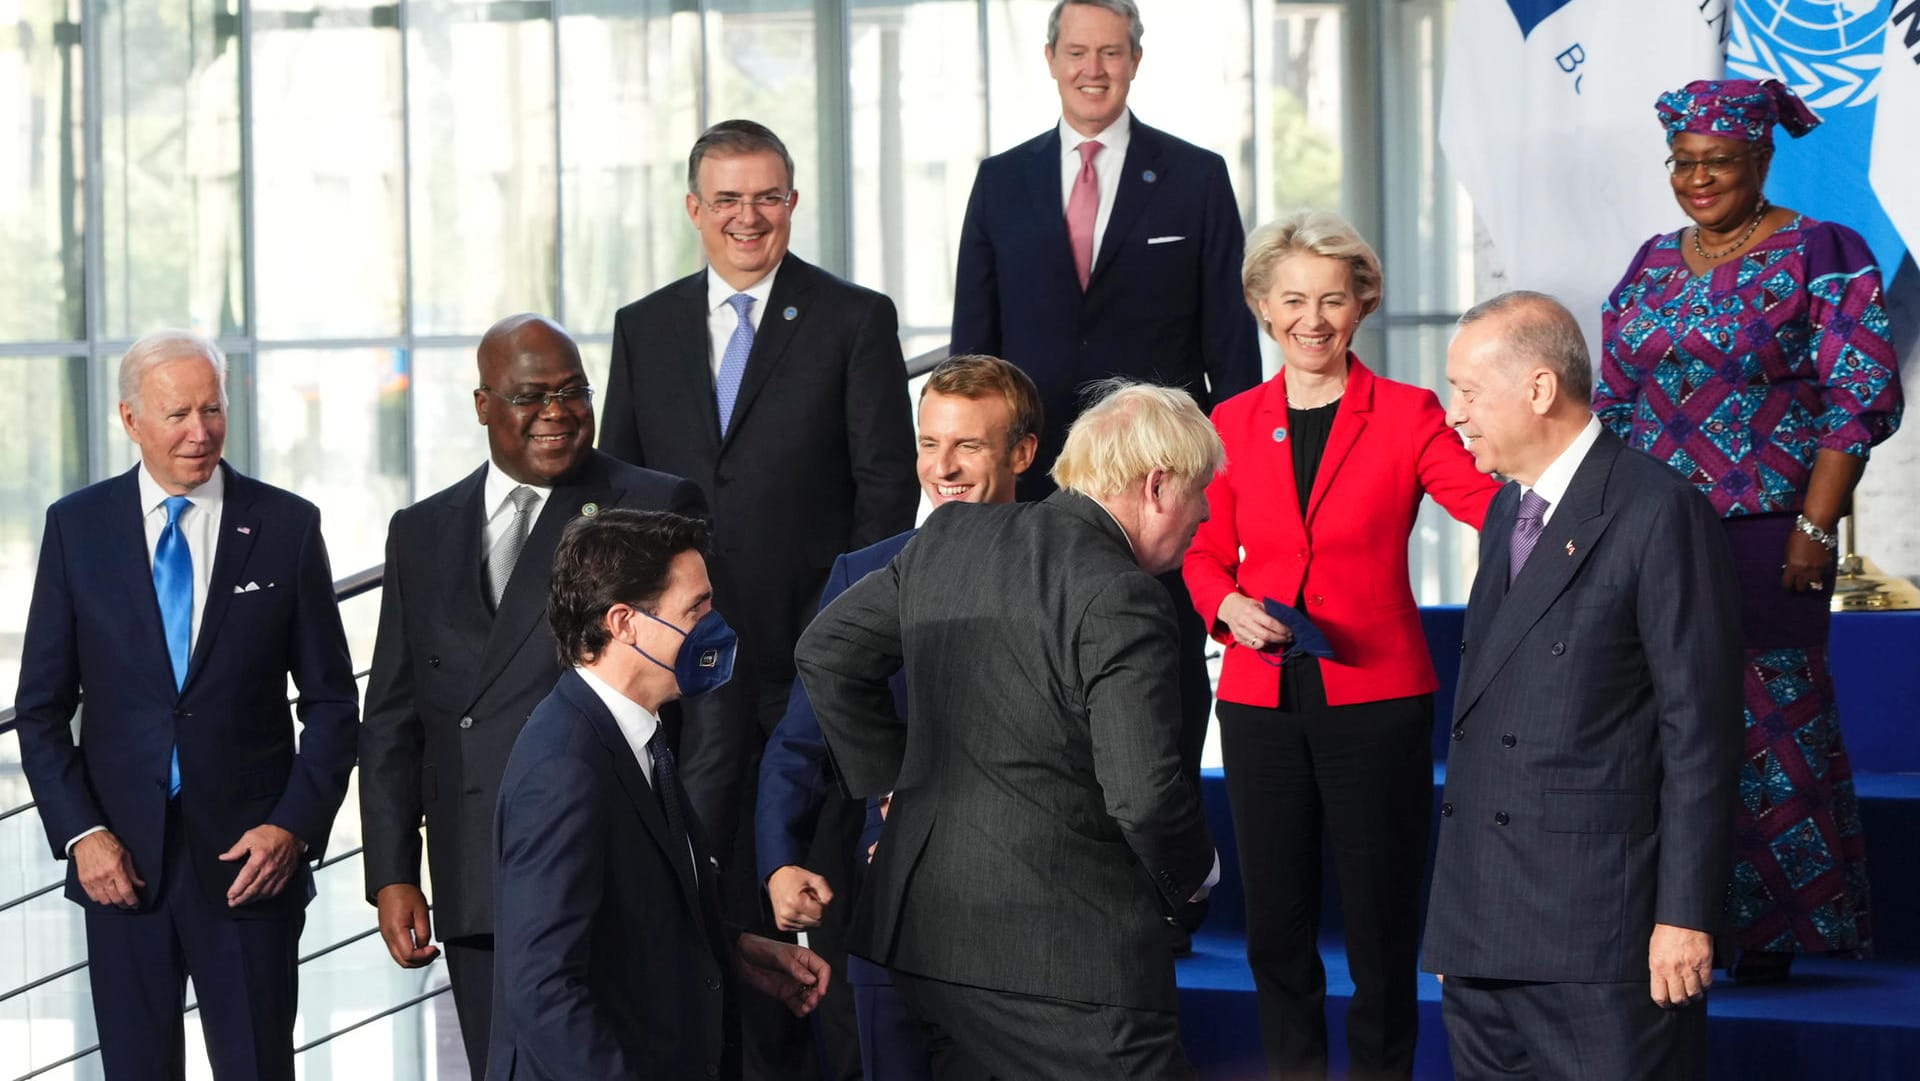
[(1326, 466)]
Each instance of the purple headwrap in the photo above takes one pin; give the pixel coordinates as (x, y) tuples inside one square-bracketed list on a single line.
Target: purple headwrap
[(1743, 109)]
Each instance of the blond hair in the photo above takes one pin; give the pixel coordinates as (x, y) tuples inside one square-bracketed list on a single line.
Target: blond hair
[(1311, 232), (1131, 429)]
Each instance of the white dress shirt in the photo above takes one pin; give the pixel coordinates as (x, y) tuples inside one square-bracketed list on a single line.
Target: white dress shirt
[(638, 725), (1554, 479), (721, 320), (1107, 165), (499, 508)]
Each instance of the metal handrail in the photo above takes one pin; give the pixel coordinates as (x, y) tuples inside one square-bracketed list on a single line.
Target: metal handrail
[(925, 362)]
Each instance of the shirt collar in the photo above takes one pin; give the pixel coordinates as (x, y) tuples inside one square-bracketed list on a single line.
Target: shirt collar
[(718, 291), (152, 496), (635, 721), (1115, 138), (499, 486), (1554, 479)]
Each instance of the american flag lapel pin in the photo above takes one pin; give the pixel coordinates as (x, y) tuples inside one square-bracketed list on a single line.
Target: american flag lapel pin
[(247, 529)]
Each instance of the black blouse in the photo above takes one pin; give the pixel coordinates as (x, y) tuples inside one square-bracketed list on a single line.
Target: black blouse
[(1307, 430)]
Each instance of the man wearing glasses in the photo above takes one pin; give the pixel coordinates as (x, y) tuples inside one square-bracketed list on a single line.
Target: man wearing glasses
[(464, 651), (780, 389)]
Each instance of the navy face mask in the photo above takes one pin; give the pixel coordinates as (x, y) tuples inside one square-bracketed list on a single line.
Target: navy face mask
[(705, 663)]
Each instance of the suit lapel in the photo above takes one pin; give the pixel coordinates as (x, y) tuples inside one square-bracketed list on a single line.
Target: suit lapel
[(1277, 468), (461, 577), (126, 530), (687, 350), (1050, 214), (1349, 420), (792, 288), (634, 783), (1144, 159), (239, 525), (1564, 547)]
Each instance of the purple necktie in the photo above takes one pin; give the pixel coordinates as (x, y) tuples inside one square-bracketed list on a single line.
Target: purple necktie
[(1527, 527), (1083, 209)]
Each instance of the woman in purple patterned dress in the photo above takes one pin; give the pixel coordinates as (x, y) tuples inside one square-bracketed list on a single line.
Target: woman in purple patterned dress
[(1750, 352)]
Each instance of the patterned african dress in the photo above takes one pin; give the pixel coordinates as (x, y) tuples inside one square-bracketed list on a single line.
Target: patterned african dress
[(1737, 379)]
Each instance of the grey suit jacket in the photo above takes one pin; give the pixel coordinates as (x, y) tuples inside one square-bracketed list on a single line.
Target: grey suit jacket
[(1596, 735), (1041, 827)]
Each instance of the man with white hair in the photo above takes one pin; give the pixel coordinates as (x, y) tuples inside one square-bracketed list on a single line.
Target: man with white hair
[(178, 597), (1041, 828)]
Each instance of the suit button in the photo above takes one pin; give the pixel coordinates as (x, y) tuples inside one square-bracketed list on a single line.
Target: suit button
[(713, 984), (1508, 740), (1459, 733), (1301, 554), (1317, 599), (1558, 648), (713, 1070), (466, 722), (433, 662), (1446, 810), (1500, 818)]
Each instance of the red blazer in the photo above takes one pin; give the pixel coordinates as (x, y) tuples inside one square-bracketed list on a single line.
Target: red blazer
[(1390, 445)]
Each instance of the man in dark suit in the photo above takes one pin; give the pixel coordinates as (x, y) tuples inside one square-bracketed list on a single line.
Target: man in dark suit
[(464, 652), (178, 597), (1584, 839), (780, 390), (1041, 827), (613, 959), (1105, 247), (979, 424)]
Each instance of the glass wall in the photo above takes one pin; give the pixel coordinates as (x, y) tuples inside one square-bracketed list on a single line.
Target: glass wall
[(347, 193)]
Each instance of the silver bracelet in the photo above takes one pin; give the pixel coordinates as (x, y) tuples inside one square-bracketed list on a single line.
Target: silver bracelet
[(1827, 540)]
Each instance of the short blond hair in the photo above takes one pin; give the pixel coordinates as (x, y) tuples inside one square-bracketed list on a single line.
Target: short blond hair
[(1312, 232), (1131, 429)]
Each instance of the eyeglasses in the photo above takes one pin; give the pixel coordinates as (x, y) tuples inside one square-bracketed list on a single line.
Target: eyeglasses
[(539, 400), (1715, 167), (765, 202)]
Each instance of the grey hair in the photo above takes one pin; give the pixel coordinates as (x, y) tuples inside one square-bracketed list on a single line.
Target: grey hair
[(1315, 232), (730, 138), (1119, 7), (1540, 329), (161, 346)]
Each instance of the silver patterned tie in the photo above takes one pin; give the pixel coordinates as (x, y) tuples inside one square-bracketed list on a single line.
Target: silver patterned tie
[(507, 550)]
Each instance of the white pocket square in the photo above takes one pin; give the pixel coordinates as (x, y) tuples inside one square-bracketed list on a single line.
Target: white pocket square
[(1164, 239), (250, 587)]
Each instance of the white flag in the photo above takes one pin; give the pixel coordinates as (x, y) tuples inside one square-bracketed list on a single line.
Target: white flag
[(1895, 171), (1547, 119)]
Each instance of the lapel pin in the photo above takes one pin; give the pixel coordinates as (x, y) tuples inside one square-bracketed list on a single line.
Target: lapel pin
[(1569, 547), (1280, 435), (790, 314), (247, 529), (588, 510), (1149, 176)]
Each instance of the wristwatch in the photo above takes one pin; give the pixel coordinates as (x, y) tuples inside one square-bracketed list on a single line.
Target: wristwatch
[(1827, 540)]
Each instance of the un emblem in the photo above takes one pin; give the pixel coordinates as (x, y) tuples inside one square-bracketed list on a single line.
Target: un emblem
[(1827, 50)]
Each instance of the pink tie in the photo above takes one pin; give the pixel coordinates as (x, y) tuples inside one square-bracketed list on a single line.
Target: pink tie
[(1082, 208)]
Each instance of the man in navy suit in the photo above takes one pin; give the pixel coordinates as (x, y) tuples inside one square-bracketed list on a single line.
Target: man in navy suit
[(613, 961), (979, 424), (178, 597), (1105, 247), (464, 653), (1585, 833)]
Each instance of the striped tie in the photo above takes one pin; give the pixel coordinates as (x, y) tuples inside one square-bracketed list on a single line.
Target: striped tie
[(733, 363), (1527, 527), (507, 551)]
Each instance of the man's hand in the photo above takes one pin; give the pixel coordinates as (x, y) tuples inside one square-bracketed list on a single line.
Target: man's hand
[(106, 870), (271, 853), (799, 898), (794, 975), (1680, 962), (406, 925)]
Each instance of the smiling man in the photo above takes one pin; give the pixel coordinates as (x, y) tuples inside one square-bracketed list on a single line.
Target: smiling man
[(780, 390), (1105, 247), (464, 652)]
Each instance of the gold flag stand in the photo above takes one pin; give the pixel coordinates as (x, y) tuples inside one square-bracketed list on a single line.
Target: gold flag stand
[(1860, 586)]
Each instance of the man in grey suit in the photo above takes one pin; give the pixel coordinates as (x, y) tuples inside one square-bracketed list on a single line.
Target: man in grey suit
[(1041, 828), (1584, 836)]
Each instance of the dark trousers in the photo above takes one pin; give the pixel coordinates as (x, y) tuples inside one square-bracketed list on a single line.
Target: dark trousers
[(892, 1047), (470, 975), (976, 1034), (1364, 774), (245, 976), (722, 737), (1571, 1031)]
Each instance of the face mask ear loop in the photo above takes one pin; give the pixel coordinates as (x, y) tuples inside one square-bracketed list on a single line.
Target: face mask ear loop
[(635, 646)]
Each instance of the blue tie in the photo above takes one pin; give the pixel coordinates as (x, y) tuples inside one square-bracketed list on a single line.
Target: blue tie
[(173, 585), (733, 363), (666, 785)]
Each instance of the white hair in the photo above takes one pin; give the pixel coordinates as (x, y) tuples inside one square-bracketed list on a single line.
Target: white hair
[(161, 346)]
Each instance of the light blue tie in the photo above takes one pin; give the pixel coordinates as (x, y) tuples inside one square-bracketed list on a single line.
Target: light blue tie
[(733, 363), (173, 585)]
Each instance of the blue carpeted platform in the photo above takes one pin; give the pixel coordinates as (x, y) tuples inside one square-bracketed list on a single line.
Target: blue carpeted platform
[(1836, 1019)]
